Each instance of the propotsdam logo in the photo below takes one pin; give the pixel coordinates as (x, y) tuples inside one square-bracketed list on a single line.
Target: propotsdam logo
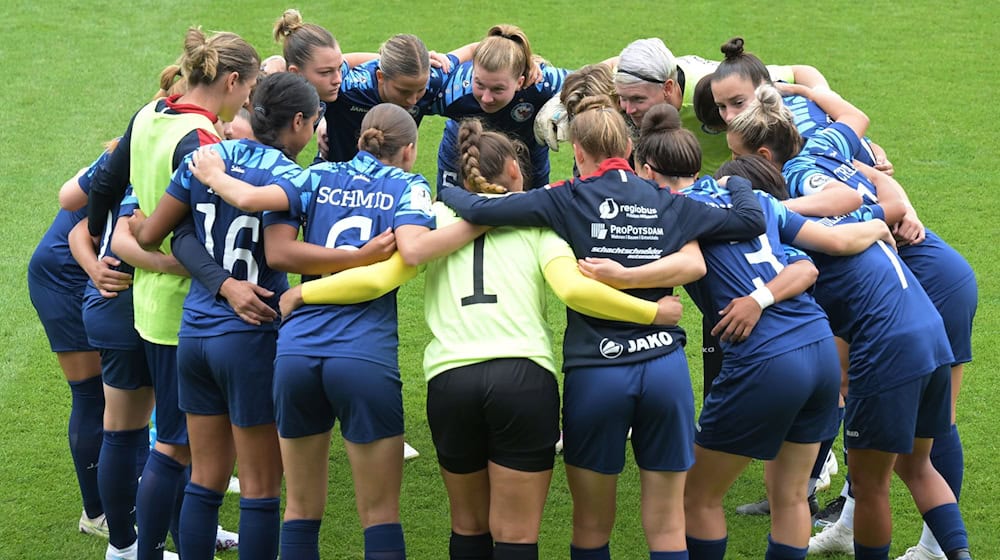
[(611, 349), (608, 209)]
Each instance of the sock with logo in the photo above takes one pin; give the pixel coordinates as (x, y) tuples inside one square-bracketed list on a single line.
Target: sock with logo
[(155, 502), (117, 481), (86, 433)]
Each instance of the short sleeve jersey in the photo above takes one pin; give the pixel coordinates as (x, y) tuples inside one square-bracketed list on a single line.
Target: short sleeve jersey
[(810, 119), (231, 236), (343, 205), (825, 157), (359, 93), (875, 303), (736, 269), (516, 119), (487, 300)]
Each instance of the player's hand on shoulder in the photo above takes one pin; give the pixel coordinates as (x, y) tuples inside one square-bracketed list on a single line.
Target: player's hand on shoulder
[(206, 165), (439, 60), (669, 311), (247, 300)]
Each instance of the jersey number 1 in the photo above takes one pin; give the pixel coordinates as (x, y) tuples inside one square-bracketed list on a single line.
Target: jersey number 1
[(479, 294)]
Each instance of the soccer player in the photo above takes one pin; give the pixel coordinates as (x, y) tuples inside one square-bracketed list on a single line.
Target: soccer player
[(493, 402), (943, 273), (321, 373), (619, 375), (732, 85), (220, 71), (777, 345), (225, 391), (56, 285), (500, 86), (404, 74), (897, 400)]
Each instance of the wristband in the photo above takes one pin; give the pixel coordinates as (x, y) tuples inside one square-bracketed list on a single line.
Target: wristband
[(763, 297)]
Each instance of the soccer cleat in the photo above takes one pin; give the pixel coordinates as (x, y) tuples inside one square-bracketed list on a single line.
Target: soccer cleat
[(833, 539), (130, 552), (234, 485), (830, 512), (226, 540), (813, 504), (920, 553), (757, 508), (409, 452), (98, 526), (830, 467)]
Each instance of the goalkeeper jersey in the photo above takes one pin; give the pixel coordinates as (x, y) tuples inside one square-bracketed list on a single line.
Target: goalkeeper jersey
[(487, 300)]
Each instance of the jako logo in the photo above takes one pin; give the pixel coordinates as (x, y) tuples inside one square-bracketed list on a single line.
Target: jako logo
[(608, 209), (852, 433), (598, 231), (611, 349)]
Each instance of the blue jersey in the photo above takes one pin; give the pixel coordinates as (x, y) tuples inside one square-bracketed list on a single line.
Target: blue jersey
[(359, 93), (827, 156), (52, 264), (516, 119), (736, 269), (343, 205), (875, 303), (231, 236), (109, 321), (810, 119), (617, 215)]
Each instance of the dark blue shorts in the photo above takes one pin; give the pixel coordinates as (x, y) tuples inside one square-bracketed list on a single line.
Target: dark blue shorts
[(125, 369), (653, 398), (890, 420), (751, 410), (505, 411), (310, 394), (61, 313), (170, 424), (958, 309), (228, 374)]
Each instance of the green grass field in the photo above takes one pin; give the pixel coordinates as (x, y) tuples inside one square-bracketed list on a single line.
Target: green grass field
[(74, 72)]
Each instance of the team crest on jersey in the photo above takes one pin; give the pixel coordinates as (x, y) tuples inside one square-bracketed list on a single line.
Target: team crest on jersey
[(420, 199), (611, 349), (818, 181), (522, 111), (608, 209), (414, 111)]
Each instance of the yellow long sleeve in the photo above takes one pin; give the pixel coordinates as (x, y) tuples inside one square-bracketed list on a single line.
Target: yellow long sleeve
[(360, 284), (593, 298)]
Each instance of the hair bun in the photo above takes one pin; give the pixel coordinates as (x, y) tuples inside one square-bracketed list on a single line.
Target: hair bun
[(662, 117), (594, 103), (769, 98), (733, 48)]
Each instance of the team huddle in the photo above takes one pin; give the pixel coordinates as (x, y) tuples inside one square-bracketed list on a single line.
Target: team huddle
[(163, 282)]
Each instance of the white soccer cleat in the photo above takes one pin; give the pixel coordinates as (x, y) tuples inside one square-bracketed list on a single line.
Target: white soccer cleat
[(920, 553), (234, 485), (409, 452), (130, 552), (226, 540), (97, 526), (833, 539), (830, 467)]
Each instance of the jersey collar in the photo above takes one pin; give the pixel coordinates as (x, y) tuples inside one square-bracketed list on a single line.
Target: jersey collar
[(172, 104)]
